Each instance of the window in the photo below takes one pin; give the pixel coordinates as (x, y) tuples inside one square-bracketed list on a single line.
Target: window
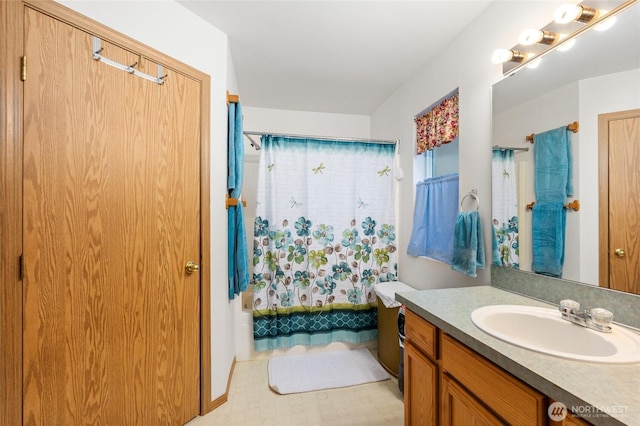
[(445, 159), (436, 177)]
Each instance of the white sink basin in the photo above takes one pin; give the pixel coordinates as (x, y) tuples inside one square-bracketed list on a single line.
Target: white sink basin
[(543, 330)]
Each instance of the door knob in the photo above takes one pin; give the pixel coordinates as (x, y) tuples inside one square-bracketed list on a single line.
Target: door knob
[(620, 252), (191, 267)]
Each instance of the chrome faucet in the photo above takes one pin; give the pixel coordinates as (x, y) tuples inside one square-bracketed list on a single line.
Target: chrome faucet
[(596, 319)]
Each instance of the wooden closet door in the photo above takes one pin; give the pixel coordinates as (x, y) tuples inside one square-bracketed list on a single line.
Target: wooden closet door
[(111, 186), (624, 204), (619, 192)]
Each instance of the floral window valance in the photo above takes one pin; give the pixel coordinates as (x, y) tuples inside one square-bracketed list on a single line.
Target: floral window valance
[(437, 126)]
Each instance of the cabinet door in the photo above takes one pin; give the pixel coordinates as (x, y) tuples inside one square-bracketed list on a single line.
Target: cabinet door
[(420, 388), (507, 396), (460, 408)]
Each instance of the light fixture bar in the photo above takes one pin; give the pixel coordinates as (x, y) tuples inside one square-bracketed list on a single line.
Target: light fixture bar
[(510, 67)]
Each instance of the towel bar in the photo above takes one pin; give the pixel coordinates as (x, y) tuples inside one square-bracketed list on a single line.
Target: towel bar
[(232, 99), (233, 202), (574, 205), (574, 127)]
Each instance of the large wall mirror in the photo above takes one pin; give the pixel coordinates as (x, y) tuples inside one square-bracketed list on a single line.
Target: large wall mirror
[(599, 75)]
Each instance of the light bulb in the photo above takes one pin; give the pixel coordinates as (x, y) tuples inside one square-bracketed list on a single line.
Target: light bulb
[(531, 36), (535, 63), (567, 45), (606, 24), (573, 12), (503, 55), (567, 13)]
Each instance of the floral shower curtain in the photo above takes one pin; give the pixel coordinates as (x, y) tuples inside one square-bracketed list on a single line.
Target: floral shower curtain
[(324, 235), (505, 209)]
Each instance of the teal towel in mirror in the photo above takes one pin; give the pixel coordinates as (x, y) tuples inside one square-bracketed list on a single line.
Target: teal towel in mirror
[(553, 184), (468, 246), (553, 165), (549, 223)]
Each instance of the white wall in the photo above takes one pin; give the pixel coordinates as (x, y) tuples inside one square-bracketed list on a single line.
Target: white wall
[(172, 29), (466, 64), (289, 122)]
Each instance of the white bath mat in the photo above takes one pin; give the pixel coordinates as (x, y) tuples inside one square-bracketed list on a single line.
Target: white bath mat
[(312, 372)]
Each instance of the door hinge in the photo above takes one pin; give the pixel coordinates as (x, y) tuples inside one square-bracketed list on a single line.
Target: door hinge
[(23, 267), (23, 68)]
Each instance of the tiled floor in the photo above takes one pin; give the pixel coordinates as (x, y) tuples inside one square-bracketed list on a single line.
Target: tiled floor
[(252, 402)]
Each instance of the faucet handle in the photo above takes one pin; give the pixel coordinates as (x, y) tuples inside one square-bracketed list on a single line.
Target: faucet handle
[(569, 305), (601, 317)]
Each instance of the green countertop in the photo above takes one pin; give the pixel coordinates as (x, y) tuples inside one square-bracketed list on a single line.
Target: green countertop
[(589, 388)]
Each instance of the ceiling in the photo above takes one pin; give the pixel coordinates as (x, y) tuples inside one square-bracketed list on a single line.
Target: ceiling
[(332, 56)]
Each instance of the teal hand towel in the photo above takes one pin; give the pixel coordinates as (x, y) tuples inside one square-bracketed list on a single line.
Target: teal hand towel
[(468, 246), (549, 224), (238, 258)]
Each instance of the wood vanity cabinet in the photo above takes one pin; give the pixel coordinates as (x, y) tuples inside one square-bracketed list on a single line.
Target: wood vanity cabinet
[(446, 383), (421, 372)]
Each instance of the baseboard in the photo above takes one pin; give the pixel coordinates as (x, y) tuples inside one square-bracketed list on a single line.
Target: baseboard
[(224, 397)]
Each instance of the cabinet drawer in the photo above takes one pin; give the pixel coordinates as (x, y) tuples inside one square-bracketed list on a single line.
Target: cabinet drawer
[(421, 334), (511, 399)]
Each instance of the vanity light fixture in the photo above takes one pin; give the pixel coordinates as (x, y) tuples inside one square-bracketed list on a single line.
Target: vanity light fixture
[(501, 56), (574, 12), (530, 36), (535, 44)]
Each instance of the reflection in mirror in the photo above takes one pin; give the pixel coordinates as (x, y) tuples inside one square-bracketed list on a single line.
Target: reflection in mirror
[(599, 75)]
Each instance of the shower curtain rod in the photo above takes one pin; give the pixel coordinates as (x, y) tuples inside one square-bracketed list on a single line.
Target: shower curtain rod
[(329, 138)]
